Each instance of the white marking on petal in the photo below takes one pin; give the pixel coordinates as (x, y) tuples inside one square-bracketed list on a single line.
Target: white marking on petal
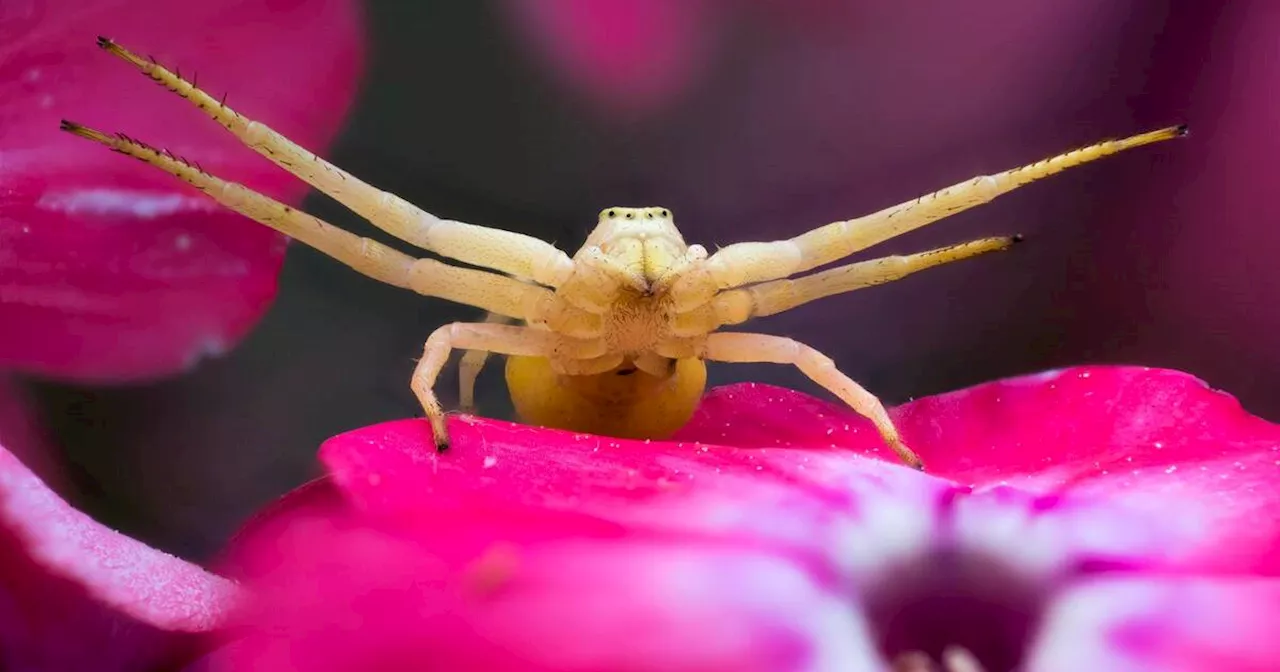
[(1006, 524), (893, 523), (1074, 634), (886, 533), (211, 346), (1161, 623), (129, 202), (1035, 379), (843, 640)]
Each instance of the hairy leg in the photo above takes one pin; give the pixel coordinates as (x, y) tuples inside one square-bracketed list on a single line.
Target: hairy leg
[(490, 291), (752, 348), (496, 338), (739, 305), (746, 263), (516, 254)]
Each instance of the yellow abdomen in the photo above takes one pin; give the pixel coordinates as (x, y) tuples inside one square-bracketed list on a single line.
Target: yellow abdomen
[(625, 403)]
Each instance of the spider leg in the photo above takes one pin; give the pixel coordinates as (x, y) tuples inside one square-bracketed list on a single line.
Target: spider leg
[(513, 253), (753, 348), (746, 263), (490, 291), (503, 339), (469, 368), (736, 306)]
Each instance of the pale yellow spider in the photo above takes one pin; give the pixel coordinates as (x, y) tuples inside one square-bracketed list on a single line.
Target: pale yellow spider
[(614, 338)]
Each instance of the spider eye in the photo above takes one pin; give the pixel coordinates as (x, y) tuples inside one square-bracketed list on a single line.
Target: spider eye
[(631, 215), (611, 214), (648, 215), (666, 213)]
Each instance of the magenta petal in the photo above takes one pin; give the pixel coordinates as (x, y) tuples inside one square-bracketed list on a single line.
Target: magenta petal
[(553, 550), (625, 56), (1169, 624), (479, 592), (1142, 437), (111, 270), (810, 501), (75, 595)]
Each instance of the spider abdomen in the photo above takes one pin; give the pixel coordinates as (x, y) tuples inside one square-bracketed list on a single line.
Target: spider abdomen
[(625, 402)]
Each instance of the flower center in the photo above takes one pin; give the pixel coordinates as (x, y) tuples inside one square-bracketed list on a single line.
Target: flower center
[(946, 605)]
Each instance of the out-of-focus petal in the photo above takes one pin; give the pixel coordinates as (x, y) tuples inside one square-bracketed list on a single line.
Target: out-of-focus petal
[(1140, 437), (807, 500), (557, 550), (112, 270), (75, 595), (1172, 624), (348, 596), (802, 556), (624, 56)]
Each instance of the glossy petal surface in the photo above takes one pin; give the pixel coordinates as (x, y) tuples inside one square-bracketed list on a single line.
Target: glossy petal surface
[(1137, 436), (112, 270), (787, 551)]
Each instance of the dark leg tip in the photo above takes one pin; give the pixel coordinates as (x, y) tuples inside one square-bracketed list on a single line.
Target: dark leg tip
[(1182, 130)]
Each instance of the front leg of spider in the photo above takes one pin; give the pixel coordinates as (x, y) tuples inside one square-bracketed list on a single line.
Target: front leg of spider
[(758, 348), (502, 339)]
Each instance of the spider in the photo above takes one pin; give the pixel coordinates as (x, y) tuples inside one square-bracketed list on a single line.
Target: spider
[(613, 339)]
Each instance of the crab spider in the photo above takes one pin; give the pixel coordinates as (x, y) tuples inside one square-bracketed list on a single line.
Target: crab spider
[(612, 340)]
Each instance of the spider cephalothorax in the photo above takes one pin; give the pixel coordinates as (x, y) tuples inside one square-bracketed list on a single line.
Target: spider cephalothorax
[(614, 339)]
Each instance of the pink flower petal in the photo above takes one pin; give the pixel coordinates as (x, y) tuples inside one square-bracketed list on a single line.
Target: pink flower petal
[(626, 56), (572, 602), (556, 550), (1135, 435), (1167, 624), (75, 595), (552, 550), (112, 270), (804, 499)]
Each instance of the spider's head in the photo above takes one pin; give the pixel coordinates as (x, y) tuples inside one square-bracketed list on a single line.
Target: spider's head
[(642, 242)]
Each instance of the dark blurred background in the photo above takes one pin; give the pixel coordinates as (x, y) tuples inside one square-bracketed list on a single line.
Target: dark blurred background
[(755, 120)]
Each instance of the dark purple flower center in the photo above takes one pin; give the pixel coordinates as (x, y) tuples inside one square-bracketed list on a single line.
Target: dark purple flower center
[(953, 599)]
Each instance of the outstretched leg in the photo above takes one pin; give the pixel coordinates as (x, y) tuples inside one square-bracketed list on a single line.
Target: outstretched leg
[(492, 292), (502, 339), (752, 348), (739, 305), (746, 263), (516, 254)]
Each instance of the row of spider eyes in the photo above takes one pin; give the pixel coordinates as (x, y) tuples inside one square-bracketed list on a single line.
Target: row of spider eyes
[(613, 214)]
